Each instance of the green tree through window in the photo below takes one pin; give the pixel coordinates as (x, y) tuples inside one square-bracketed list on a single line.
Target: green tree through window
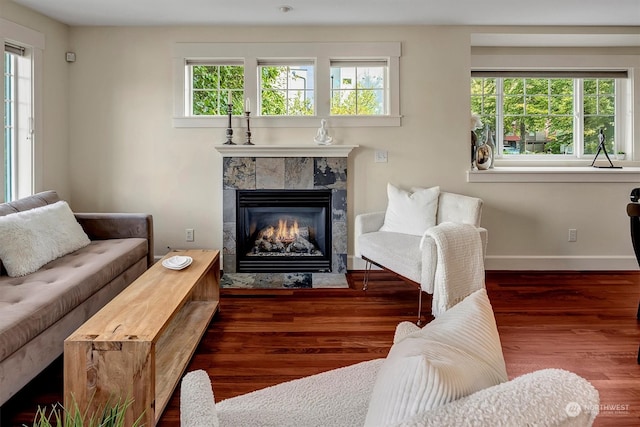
[(541, 115), (358, 90), (211, 85), (288, 90)]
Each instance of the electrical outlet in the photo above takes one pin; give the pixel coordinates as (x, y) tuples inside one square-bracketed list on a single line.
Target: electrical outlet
[(189, 234), (573, 235), (381, 156)]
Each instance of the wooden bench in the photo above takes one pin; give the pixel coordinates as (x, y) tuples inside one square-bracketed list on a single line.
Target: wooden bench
[(139, 344)]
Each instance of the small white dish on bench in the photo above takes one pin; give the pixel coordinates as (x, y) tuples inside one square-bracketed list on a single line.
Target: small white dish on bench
[(177, 262)]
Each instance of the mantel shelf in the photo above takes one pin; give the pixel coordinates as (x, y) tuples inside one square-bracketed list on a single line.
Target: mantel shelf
[(285, 150)]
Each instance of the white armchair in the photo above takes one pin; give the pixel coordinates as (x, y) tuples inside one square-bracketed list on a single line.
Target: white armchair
[(413, 257)]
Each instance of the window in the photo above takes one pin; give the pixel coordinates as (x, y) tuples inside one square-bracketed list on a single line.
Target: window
[(288, 84), (559, 116), (9, 124), (286, 89), (210, 86), (599, 96), (17, 154), (359, 88), (22, 95)]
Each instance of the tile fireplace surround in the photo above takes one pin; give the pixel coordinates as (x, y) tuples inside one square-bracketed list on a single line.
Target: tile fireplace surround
[(246, 167)]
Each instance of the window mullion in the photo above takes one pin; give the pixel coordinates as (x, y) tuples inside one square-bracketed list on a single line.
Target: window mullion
[(620, 119), (189, 90), (251, 83), (323, 87), (499, 131), (578, 118)]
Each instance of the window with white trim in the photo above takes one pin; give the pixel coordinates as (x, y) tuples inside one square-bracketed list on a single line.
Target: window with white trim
[(211, 83), (18, 112), (287, 88), (359, 88), (289, 84), (22, 95), (553, 114)]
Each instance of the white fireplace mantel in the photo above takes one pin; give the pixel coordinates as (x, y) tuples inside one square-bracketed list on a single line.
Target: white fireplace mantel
[(285, 150)]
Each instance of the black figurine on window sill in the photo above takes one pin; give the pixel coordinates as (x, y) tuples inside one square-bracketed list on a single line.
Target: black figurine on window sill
[(601, 147)]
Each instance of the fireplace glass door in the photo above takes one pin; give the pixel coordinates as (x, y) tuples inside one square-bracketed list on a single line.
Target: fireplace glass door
[(283, 230)]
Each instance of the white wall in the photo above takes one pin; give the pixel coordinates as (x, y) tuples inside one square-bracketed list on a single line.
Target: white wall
[(124, 154)]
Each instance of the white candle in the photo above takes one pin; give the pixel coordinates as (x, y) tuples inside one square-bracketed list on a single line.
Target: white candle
[(247, 105), (230, 99)]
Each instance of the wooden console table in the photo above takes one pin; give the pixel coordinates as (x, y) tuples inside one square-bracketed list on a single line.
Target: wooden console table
[(139, 344)]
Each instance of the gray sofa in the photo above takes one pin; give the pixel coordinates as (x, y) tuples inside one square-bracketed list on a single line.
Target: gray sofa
[(39, 310)]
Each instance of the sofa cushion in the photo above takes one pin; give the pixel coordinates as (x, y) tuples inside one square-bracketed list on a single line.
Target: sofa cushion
[(401, 252), (455, 355), (26, 203), (410, 212), (30, 239), (32, 303)]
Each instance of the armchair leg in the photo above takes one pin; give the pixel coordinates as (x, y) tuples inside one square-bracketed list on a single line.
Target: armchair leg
[(367, 269)]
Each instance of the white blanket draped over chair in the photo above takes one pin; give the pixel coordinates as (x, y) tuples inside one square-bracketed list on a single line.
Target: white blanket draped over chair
[(459, 266)]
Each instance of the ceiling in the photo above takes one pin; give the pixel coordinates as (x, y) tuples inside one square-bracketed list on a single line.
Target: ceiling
[(340, 12)]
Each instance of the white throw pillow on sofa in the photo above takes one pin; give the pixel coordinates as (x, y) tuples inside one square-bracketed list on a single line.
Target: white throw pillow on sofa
[(410, 212), (30, 239), (455, 355)]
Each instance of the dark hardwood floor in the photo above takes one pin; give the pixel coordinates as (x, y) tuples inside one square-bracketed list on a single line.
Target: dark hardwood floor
[(582, 322)]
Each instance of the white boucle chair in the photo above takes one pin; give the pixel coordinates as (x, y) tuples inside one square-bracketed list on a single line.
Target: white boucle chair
[(339, 398), (413, 257)]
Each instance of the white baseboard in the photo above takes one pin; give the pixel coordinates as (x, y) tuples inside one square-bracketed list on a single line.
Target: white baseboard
[(576, 263), (524, 262)]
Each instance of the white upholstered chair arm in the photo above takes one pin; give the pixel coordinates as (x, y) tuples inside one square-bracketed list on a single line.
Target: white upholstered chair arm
[(548, 397), (484, 235), (366, 223)]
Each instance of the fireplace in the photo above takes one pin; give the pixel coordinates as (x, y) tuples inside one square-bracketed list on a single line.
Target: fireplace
[(283, 231), (281, 173)]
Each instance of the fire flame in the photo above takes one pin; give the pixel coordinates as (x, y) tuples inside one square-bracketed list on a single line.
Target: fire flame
[(283, 233)]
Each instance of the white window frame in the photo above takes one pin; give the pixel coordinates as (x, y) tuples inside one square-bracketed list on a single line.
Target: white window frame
[(189, 76), (364, 64), (251, 53), (28, 164), (627, 136), (283, 63), (622, 86)]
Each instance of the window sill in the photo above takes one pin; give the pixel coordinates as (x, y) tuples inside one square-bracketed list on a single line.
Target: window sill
[(286, 122), (555, 174)]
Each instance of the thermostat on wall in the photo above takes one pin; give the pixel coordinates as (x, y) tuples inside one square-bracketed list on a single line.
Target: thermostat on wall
[(71, 57)]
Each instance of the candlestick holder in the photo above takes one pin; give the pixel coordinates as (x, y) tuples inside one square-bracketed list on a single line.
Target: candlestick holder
[(248, 142), (229, 130)]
